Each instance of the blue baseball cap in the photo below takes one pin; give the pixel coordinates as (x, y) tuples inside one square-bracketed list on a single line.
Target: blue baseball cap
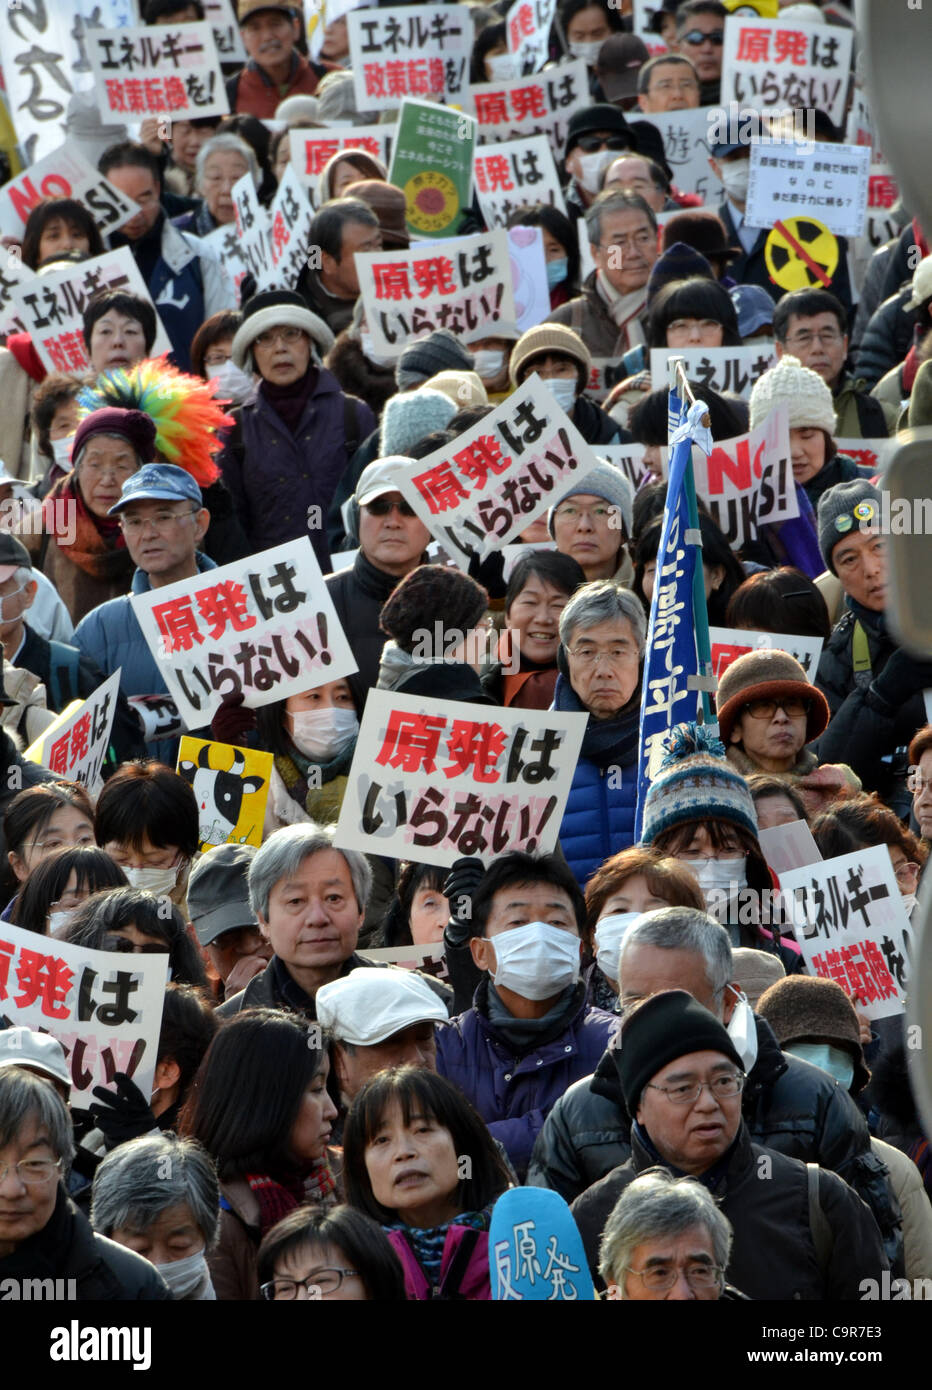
[(754, 308), (159, 482)]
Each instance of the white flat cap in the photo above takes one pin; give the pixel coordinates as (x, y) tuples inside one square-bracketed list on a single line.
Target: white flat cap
[(371, 1003)]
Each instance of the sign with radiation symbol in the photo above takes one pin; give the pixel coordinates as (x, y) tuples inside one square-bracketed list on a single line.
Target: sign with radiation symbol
[(432, 201), (800, 253), (751, 9)]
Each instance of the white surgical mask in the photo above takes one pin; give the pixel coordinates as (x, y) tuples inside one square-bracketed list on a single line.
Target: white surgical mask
[(609, 935), (591, 166), (536, 961), (563, 389), (232, 381), (834, 1060), (61, 451), (501, 67), (153, 880), (489, 363), (58, 920), (735, 178), (720, 875), (9, 598), (365, 342), (743, 1030), (589, 52), (323, 734), (184, 1276)]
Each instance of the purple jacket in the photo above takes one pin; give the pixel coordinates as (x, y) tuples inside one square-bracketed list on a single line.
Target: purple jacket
[(514, 1095), (473, 1284), (275, 476)]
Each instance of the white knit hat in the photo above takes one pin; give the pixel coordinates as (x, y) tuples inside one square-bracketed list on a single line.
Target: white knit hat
[(803, 392)]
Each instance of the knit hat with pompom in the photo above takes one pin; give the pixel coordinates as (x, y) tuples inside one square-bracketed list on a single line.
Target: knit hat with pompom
[(695, 782)]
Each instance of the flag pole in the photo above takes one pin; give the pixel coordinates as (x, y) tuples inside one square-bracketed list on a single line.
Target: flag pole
[(678, 381)]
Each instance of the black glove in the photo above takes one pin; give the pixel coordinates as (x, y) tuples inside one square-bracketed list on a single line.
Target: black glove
[(490, 573), (233, 721), (460, 885), (902, 677), (124, 1114)]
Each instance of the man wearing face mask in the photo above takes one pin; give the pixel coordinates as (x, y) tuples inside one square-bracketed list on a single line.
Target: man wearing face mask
[(560, 358), (788, 1105), (530, 1032), (595, 136)]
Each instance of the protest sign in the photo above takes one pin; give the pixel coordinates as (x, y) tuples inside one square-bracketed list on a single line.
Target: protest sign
[(432, 165), (513, 174), (527, 30), (872, 453), (827, 181), (464, 286), (231, 786), (685, 136), (227, 37), (747, 481), (418, 52), (76, 744), (487, 486), (644, 11), (43, 48), (64, 173), (629, 458), (322, 14), (254, 230), (52, 307), (882, 194), (859, 126), (768, 63), (168, 70), (511, 554), (264, 628), (226, 244), (788, 846), (536, 1253), (429, 960), (435, 780), (728, 643), (158, 715), (290, 218), (720, 369), (528, 263), (539, 105), (851, 926), (311, 149), (104, 1007), (13, 272)]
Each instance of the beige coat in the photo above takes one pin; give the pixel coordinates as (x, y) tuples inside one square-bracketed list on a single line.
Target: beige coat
[(907, 1185), (16, 390)]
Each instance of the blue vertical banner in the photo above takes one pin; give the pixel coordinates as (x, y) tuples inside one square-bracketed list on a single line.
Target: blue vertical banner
[(673, 683)]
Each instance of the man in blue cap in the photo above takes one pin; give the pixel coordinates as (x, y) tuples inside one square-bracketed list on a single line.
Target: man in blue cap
[(163, 519)]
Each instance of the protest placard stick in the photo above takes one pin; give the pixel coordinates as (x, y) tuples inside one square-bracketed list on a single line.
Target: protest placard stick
[(700, 608)]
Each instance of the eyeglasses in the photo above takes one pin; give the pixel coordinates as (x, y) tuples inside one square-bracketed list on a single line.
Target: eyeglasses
[(829, 337), (219, 359), (661, 1278), (215, 180), (34, 1172), (721, 1088), (904, 872), (324, 1281), (697, 36), (162, 521), (689, 325), (380, 506), (123, 469), (621, 243), (590, 143), (590, 656), (594, 515), (793, 708), (287, 335), (57, 842), (917, 783), (688, 84)]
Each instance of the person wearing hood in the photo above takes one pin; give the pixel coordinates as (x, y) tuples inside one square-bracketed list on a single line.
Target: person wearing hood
[(602, 636), (435, 620), (558, 355), (530, 1032)]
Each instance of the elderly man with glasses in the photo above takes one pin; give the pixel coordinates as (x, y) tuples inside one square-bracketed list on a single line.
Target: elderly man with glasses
[(798, 1233)]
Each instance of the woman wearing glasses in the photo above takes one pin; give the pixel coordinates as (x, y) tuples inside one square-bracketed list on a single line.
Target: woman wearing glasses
[(339, 1256)]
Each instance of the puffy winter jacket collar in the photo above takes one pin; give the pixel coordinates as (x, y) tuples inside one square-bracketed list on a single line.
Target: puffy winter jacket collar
[(729, 1169), (605, 740), (564, 1020)]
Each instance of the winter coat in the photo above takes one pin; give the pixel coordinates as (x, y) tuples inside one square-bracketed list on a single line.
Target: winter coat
[(358, 596), (787, 1104), (599, 816), (275, 989), (871, 293), (340, 535), (472, 1284), (357, 375), (281, 482), (887, 338), (909, 248), (513, 1090), (890, 393), (336, 313), (775, 1254), (450, 680), (252, 91), (595, 425), (840, 469), (590, 317), (857, 413), (27, 715), (233, 1263), (750, 268), (907, 1185)]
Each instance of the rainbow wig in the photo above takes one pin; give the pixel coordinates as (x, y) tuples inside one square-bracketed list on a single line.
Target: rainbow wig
[(183, 409)]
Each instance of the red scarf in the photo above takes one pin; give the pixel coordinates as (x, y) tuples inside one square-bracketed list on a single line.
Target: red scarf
[(98, 547), (278, 1196)]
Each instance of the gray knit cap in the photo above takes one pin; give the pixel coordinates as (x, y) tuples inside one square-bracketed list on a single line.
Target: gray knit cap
[(844, 508), (440, 351), (609, 483)]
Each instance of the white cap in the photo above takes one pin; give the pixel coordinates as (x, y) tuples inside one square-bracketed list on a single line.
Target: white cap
[(380, 477), (371, 1003), (22, 1047)]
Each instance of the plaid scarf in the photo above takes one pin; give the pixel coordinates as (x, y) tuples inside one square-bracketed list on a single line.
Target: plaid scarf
[(278, 1196), (294, 768)]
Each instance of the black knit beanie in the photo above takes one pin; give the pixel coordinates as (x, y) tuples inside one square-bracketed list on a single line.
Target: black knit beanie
[(664, 1027)]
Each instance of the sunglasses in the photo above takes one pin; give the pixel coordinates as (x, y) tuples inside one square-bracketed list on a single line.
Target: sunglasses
[(590, 143), (380, 506), (696, 37)]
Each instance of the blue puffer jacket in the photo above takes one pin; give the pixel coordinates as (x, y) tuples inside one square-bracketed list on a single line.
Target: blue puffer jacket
[(515, 1093), (599, 816)]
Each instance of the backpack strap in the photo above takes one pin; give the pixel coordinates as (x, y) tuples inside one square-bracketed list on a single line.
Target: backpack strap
[(62, 658), (823, 1237), (350, 426), (860, 651)]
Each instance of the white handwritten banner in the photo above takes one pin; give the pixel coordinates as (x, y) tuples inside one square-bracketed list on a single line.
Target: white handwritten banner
[(685, 136), (226, 245), (747, 481), (629, 458), (728, 643), (779, 63), (872, 453), (540, 105), (227, 37), (527, 30), (419, 51), (165, 70), (825, 181), (720, 369), (312, 149), (290, 218), (76, 744), (264, 628), (64, 173), (254, 229), (104, 1007), (433, 780), (514, 174), (12, 273)]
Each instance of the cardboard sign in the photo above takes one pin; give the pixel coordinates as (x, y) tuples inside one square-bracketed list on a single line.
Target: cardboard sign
[(429, 960), (264, 627), (158, 715), (728, 643), (779, 63), (432, 165), (536, 1253), (64, 173), (852, 927), (487, 486), (226, 245), (232, 787), (527, 28), (311, 149), (539, 105), (748, 481), (463, 285), (685, 136), (513, 553), (435, 780), (827, 181), (720, 369), (290, 219), (872, 453), (421, 51), (168, 70), (790, 846), (13, 272), (104, 1007), (52, 307), (629, 458), (76, 744), (322, 14), (253, 228), (528, 263), (223, 26), (514, 174)]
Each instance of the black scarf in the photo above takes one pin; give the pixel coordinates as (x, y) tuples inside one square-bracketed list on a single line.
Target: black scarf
[(44, 1255), (606, 741), (289, 401)]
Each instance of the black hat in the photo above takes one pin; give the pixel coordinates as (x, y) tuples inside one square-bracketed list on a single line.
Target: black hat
[(13, 556), (428, 595), (620, 60), (664, 1027), (601, 116)]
